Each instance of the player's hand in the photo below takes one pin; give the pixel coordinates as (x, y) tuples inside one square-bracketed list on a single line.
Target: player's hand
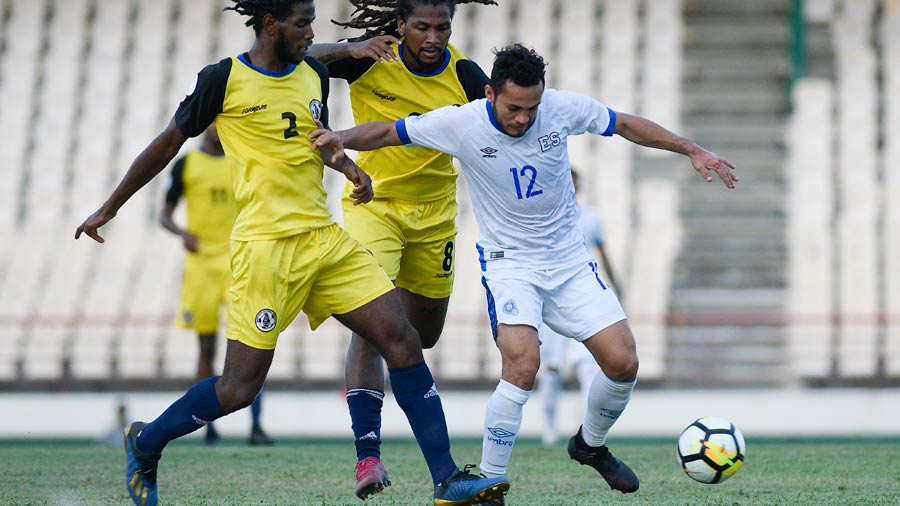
[(93, 222), (190, 242), (705, 161), (362, 183), (327, 141), (377, 48)]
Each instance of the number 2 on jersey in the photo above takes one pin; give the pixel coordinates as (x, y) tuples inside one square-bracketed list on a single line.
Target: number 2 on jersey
[(530, 191)]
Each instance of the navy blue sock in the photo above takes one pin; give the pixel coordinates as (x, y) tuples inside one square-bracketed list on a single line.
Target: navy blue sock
[(256, 410), (197, 407), (365, 413), (416, 394)]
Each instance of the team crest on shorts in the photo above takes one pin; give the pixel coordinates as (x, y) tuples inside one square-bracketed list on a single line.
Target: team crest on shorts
[(315, 108), (265, 320), (510, 308)]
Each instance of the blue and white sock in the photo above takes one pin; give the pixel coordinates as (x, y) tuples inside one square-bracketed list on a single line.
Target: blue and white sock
[(502, 420), (365, 413), (197, 407), (418, 397), (606, 401)]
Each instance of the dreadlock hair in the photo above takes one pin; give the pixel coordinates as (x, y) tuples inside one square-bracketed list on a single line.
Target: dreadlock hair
[(518, 64), (379, 17), (256, 9)]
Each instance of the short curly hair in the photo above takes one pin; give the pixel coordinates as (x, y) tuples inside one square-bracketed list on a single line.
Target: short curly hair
[(519, 64)]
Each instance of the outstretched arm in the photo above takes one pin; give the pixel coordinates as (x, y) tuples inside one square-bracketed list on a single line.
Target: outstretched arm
[(334, 156), (377, 48), (365, 137), (647, 133), (147, 165)]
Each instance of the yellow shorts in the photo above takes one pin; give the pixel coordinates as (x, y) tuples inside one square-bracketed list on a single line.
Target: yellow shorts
[(413, 241), (322, 272), (204, 282)]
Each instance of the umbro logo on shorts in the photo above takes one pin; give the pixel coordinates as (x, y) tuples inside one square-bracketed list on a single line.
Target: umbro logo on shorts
[(489, 152), (265, 320)]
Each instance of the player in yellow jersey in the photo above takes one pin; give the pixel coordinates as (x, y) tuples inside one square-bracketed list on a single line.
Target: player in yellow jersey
[(286, 254), (202, 177), (407, 67)]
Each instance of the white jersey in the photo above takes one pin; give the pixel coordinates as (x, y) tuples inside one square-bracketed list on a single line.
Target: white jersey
[(521, 187)]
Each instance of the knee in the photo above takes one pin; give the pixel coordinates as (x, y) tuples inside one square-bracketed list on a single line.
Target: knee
[(404, 347), (521, 370), (624, 369), (428, 339), (235, 395)]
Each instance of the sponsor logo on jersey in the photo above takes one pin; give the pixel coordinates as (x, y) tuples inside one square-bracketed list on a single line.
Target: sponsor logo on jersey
[(255, 108), (265, 320), (510, 308), (315, 108), (383, 96), (498, 435), (432, 392), (489, 152), (549, 142)]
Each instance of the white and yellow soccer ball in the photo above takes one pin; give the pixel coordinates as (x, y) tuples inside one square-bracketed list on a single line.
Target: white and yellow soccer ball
[(711, 450)]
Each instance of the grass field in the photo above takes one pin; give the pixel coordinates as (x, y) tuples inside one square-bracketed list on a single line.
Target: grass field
[(320, 472)]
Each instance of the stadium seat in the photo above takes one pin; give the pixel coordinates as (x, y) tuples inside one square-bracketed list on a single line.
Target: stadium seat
[(10, 348), (286, 362), (139, 346), (233, 38), (45, 347), (491, 27), (535, 27), (180, 350), (810, 304), (661, 65), (193, 43), (92, 351), (322, 352), (656, 245), (857, 296)]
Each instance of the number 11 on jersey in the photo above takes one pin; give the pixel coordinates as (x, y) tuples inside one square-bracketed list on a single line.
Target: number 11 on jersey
[(530, 191)]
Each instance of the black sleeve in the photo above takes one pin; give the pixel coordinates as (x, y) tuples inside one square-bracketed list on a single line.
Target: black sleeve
[(199, 109), (472, 79), (176, 182), (350, 69), (320, 69)]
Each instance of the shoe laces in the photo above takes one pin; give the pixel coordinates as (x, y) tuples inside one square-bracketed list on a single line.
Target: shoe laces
[(465, 473)]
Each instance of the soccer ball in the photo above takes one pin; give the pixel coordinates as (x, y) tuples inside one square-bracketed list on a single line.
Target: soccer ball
[(711, 450)]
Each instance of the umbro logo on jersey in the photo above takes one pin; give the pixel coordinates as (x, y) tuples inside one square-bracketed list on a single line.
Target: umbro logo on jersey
[(382, 96), (489, 152), (255, 108)]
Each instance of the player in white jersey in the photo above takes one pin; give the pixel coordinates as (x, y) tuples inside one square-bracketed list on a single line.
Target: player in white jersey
[(535, 266), (556, 348)]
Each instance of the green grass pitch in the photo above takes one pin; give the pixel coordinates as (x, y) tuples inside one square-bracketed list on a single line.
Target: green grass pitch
[(320, 472)]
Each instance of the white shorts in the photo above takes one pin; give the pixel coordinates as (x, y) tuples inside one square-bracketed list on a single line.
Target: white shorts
[(557, 348), (571, 299)]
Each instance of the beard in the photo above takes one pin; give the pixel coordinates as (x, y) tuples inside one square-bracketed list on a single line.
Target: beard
[(283, 53)]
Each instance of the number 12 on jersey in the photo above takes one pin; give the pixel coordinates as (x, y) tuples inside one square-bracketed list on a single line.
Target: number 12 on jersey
[(525, 172)]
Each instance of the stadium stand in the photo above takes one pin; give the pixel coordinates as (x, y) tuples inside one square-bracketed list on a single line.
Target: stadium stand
[(809, 174), (889, 34), (794, 277)]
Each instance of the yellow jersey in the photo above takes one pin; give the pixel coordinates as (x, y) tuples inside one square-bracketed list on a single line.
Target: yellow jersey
[(205, 182), (391, 91), (264, 119)]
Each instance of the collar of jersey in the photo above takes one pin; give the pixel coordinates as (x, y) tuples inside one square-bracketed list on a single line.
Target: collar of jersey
[(246, 61), (436, 71), (490, 113)]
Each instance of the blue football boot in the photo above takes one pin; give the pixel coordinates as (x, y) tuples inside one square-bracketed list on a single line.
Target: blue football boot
[(140, 469), (464, 488)]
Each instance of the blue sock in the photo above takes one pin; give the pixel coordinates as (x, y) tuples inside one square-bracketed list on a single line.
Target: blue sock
[(197, 407), (256, 410), (417, 396), (365, 413)]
